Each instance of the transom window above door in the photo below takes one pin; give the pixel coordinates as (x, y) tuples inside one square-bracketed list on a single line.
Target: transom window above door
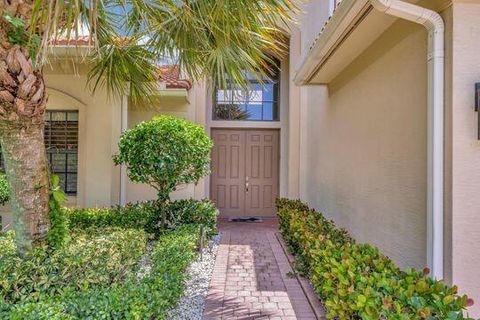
[(260, 102)]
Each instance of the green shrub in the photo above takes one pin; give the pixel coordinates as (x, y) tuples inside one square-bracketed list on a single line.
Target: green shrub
[(164, 153), (4, 190), (355, 281), (150, 297), (147, 215), (136, 216), (191, 211)]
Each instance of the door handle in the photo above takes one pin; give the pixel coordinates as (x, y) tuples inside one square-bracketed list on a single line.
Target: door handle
[(246, 183)]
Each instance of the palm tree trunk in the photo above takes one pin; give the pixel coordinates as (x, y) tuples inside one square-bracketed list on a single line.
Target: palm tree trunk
[(22, 107), (26, 169)]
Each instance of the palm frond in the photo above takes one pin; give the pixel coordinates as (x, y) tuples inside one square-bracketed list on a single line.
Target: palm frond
[(216, 39), (122, 67)]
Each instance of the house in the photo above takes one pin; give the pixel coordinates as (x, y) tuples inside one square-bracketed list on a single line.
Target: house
[(371, 120)]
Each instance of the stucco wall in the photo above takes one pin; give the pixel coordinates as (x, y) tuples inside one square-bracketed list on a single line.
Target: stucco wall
[(465, 151), (98, 132), (364, 145)]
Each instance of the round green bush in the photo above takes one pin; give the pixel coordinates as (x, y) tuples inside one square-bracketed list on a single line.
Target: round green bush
[(164, 153), (4, 190)]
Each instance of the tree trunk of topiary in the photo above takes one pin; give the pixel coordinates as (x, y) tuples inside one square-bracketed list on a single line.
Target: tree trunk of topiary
[(162, 203), (22, 107)]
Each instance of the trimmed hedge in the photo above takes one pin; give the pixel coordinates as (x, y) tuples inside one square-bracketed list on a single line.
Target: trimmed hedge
[(354, 280), (147, 216), (87, 292)]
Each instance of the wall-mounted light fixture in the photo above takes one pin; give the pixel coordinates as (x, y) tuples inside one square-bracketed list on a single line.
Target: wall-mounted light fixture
[(477, 105)]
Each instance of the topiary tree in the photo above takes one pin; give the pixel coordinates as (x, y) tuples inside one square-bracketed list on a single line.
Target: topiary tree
[(164, 153)]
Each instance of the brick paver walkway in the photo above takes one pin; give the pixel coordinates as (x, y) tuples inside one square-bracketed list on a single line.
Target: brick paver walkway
[(250, 279)]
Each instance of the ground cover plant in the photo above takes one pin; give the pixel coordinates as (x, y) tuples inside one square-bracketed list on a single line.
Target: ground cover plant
[(110, 269), (355, 281)]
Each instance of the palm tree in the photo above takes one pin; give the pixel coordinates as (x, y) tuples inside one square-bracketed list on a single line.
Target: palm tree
[(216, 39)]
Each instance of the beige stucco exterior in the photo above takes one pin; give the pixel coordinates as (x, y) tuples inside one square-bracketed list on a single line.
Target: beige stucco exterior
[(362, 135), (464, 171), (100, 128), (365, 146)]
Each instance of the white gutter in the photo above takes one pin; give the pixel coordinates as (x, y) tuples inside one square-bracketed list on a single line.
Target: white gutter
[(434, 24), (123, 168)]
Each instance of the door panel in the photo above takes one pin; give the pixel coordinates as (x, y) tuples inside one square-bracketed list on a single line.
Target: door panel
[(228, 171), (262, 167), (241, 155)]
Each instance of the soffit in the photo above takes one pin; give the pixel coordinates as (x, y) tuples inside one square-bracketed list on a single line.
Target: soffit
[(353, 27)]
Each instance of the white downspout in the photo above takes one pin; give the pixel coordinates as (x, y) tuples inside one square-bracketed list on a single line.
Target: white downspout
[(434, 24), (123, 168)]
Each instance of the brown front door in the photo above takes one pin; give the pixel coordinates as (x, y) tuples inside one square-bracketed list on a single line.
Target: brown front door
[(245, 169)]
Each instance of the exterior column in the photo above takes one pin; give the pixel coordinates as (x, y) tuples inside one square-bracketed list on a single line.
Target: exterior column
[(294, 119), (123, 168)]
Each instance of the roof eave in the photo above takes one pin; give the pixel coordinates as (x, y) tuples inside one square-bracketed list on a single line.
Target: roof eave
[(329, 38), (353, 28)]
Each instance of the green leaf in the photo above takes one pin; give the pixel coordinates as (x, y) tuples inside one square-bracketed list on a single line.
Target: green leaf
[(55, 181)]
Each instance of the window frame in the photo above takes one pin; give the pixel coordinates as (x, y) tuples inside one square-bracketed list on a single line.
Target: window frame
[(51, 152)]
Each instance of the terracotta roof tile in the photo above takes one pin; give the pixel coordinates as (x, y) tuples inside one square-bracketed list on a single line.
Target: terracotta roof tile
[(170, 75)]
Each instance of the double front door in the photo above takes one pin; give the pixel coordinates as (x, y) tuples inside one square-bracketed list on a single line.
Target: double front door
[(245, 171)]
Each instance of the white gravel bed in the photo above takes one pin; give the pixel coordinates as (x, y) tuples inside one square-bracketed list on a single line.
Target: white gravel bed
[(192, 304)]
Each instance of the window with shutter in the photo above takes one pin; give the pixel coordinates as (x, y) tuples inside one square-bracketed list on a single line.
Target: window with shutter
[(61, 142)]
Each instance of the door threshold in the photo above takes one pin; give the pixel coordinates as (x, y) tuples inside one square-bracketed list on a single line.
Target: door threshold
[(246, 219)]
